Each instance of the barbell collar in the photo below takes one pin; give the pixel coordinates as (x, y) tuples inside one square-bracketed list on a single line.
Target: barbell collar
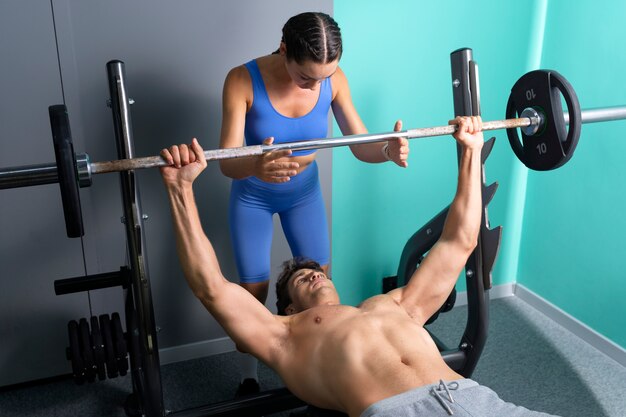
[(532, 114), (83, 170)]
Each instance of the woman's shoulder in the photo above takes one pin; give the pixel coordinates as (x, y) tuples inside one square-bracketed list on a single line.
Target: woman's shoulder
[(338, 81), (238, 83), (338, 76), (238, 76), (242, 73)]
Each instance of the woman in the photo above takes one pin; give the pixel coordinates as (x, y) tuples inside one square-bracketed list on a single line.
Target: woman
[(285, 97)]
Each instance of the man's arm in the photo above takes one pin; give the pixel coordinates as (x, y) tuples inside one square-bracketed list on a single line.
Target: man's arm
[(433, 281), (251, 326)]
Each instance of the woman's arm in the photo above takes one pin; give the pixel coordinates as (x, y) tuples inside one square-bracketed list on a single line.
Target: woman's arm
[(350, 123), (237, 98)]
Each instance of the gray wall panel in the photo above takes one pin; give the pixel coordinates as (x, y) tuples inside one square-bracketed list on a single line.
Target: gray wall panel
[(177, 55), (34, 250)]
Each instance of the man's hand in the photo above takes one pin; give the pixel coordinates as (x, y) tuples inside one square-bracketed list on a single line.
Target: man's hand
[(398, 149), (269, 169), (186, 163), (469, 132)]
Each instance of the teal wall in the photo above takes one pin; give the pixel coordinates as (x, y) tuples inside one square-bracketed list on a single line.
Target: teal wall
[(562, 228), (573, 245), (397, 59)]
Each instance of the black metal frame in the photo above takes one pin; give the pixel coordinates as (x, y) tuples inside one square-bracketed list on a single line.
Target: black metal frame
[(147, 397), (479, 265), (464, 357)]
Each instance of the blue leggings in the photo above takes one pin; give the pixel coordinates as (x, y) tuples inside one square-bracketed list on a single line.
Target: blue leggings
[(300, 206)]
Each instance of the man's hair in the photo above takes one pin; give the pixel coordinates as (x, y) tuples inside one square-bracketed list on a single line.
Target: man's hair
[(283, 299), (312, 36)]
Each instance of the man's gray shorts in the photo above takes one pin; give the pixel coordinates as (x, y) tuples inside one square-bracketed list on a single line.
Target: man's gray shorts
[(463, 397)]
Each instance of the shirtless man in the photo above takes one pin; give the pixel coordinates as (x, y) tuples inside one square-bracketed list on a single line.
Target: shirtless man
[(372, 360)]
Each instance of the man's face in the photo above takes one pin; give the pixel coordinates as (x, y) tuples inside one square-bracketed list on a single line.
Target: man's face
[(309, 288)]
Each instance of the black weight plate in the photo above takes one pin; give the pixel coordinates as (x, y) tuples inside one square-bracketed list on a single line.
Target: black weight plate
[(575, 116), (86, 350), (98, 348), (121, 352), (553, 145), (109, 350), (134, 348), (66, 170), (78, 370)]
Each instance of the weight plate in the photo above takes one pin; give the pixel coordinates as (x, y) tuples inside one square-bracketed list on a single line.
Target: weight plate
[(109, 350), (86, 350), (553, 144), (98, 348), (73, 352), (66, 170), (121, 351)]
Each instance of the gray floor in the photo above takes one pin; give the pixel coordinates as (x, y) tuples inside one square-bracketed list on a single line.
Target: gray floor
[(528, 360)]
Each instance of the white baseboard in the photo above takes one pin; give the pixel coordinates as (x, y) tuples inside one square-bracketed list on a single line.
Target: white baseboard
[(581, 330), (569, 322), (499, 291)]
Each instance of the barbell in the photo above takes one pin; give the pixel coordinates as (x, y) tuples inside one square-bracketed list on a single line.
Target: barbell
[(534, 107), (23, 176)]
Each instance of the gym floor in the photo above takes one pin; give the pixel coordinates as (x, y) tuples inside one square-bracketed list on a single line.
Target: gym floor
[(528, 360)]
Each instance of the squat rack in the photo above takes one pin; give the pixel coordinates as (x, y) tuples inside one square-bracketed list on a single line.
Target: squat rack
[(147, 390), (141, 339)]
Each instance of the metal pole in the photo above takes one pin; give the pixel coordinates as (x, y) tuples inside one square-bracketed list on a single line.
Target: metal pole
[(475, 334), (602, 114), (587, 116), (29, 175), (145, 371), (246, 151)]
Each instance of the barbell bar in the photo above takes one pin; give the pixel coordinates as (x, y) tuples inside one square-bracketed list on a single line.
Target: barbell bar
[(255, 150), (30, 175), (23, 176), (534, 120)]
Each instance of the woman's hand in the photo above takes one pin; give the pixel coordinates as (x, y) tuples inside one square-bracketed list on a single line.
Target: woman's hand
[(397, 150), (270, 168)]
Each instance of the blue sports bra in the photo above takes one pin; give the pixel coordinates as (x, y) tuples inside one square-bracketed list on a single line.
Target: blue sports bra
[(263, 121)]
